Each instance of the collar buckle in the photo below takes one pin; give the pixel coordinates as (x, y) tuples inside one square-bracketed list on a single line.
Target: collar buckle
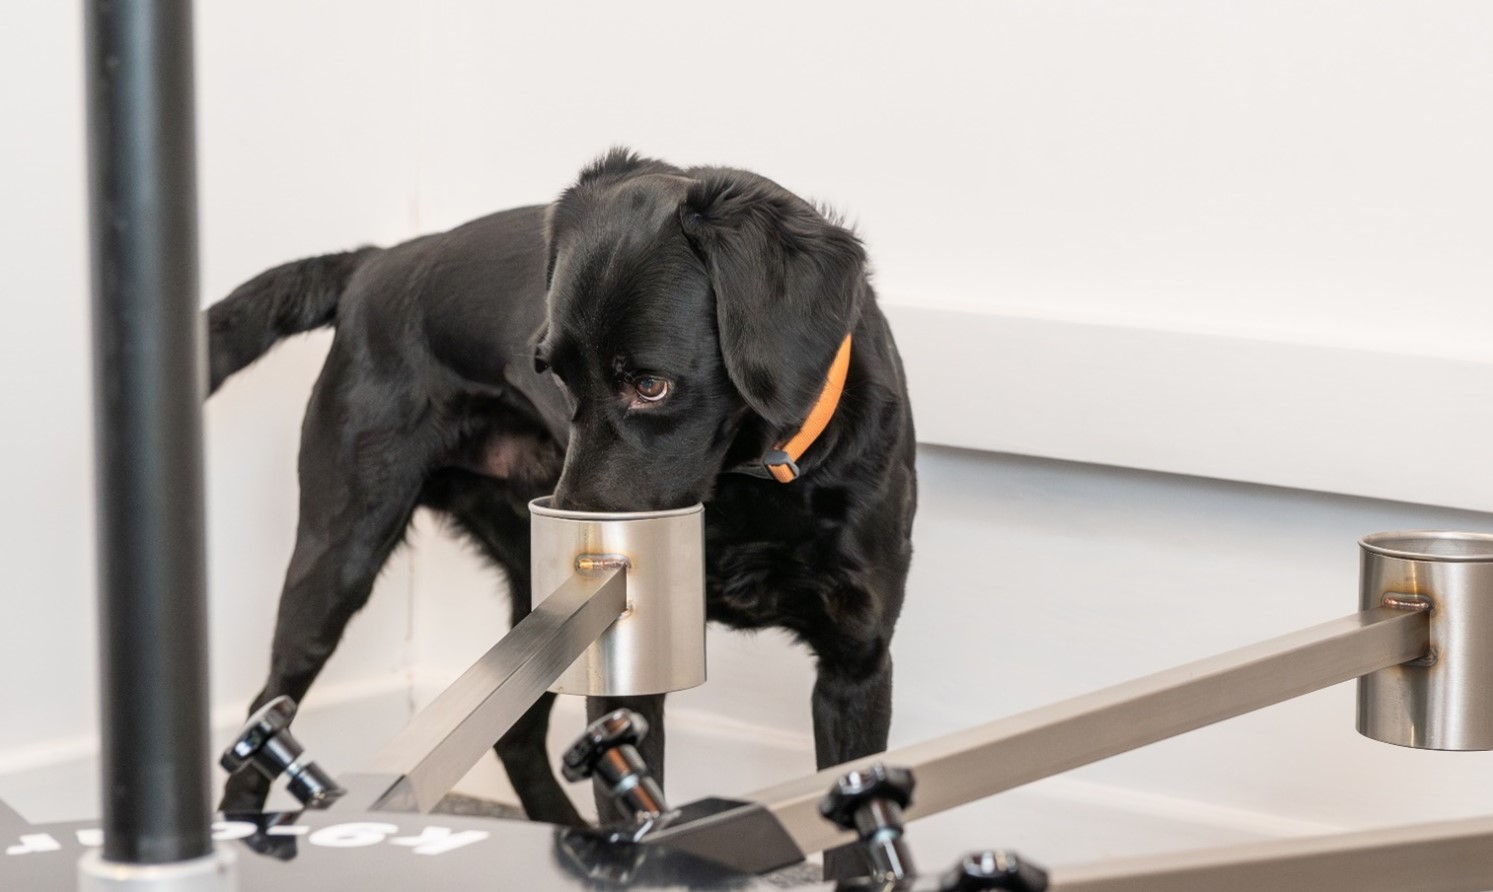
[(780, 465)]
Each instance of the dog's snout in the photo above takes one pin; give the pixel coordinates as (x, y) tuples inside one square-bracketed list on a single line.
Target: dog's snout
[(567, 499), (575, 499), (617, 498), (572, 497)]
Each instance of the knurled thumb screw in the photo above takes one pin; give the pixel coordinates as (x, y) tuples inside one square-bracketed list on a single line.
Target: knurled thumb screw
[(993, 869), (869, 801), (266, 744), (608, 751)]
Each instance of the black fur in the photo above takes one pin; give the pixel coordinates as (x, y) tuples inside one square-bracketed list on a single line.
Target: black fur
[(735, 291)]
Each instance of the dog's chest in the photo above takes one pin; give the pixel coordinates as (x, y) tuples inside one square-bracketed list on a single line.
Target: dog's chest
[(771, 560)]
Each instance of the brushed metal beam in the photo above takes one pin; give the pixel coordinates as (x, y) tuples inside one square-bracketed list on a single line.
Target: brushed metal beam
[(994, 757), (1446, 856), (443, 742)]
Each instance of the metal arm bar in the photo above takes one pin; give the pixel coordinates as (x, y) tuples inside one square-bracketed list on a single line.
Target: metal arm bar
[(1446, 856), (446, 739), (1009, 752)]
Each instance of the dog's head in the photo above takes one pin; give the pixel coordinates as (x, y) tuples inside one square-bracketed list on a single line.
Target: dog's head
[(692, 318)]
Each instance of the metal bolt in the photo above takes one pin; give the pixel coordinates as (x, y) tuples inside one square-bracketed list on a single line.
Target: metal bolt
[(266, 744), (870, 802), (608, 750)]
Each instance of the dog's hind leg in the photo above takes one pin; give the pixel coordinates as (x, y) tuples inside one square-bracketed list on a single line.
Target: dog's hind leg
[(491, 512), (360, 479), (522, 749)]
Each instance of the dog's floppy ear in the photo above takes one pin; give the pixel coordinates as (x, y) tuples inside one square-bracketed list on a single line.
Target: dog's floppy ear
[(787, 284)]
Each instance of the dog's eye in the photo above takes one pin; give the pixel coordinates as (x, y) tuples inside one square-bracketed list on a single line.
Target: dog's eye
[(650, 389)]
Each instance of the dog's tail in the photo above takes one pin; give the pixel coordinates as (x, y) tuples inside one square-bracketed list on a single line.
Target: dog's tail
[(275, 304)]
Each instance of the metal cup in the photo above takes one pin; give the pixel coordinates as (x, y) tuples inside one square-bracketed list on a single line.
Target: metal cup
[(658, 644), (1443, 702)]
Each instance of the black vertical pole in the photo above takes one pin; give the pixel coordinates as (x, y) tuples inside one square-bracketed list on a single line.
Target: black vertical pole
[(147, 411)]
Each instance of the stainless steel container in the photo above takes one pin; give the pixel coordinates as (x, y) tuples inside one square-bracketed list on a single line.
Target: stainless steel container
[(1444, 702), (658, 644)]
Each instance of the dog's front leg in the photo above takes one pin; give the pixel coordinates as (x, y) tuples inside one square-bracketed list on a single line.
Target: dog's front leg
[(852, 717), (651, 708), (852, 707)]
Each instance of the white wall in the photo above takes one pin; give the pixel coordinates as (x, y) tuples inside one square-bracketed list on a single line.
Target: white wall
[(1297, 170), (265, 88), (46, 536), (1302, 179)]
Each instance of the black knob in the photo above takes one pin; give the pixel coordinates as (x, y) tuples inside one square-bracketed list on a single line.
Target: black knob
[(617, 728), (608, 751), (266, 744), (870, 802), (979, 871), (855, 789)]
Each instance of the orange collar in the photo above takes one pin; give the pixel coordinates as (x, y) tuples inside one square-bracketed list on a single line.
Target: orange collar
[(782, 460)]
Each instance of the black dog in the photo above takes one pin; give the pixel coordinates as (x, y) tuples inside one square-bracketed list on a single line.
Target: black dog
[(648, 341)]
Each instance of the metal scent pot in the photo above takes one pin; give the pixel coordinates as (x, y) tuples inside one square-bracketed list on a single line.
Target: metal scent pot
[(657, 645), (1444, 701)]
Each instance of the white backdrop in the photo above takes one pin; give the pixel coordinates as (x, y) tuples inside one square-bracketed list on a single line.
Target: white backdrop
[(1303, 175)]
